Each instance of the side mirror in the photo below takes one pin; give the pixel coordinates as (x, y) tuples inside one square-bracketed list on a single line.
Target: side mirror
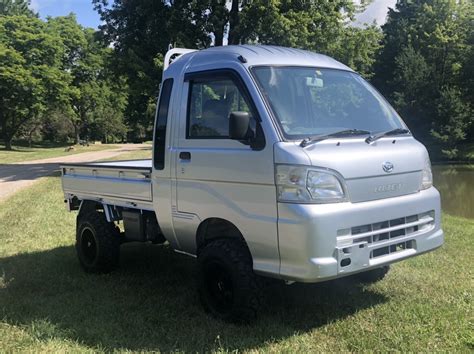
[(239, 125)]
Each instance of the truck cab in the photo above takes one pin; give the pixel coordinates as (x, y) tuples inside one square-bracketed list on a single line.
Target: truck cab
[(267, 162)]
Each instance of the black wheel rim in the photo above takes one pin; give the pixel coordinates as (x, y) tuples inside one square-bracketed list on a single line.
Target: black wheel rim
[(88, 246), (219, 287)]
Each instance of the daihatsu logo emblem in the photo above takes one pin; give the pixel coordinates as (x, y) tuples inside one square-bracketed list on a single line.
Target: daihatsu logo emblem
[(387, 166)]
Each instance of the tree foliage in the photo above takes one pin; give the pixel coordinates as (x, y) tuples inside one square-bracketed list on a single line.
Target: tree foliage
[(15, 7), (425, 67), (94, 88), (64, 81), (30, 77), (57, 70), (142, 30)]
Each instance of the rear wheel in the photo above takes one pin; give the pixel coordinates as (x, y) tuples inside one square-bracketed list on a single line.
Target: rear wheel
[(372, 276), (228, 287), (97, 243)]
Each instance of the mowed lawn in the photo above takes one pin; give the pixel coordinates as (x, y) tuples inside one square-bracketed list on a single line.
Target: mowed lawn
[(48, 304), (142, 154), (37, 152)]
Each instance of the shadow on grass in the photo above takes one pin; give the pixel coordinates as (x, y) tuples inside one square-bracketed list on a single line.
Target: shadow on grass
[(24, 145), (151, 303), (28, 172), (31, 171)]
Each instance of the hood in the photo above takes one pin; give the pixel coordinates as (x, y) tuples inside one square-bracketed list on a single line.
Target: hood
[(362, 165)]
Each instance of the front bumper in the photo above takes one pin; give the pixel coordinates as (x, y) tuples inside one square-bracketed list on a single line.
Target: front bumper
[(319, 242)]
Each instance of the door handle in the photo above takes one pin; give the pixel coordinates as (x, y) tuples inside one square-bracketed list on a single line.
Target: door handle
[(185, 155)]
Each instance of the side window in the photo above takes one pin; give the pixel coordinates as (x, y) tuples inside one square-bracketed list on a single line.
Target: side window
[(161, 123), (210, 103)]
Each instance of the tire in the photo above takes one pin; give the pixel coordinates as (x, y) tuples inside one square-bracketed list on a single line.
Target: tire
[(97, 243), (372, 276), (228, 287)]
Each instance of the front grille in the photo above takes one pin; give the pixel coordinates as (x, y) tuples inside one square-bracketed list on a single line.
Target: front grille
[(385, 232)]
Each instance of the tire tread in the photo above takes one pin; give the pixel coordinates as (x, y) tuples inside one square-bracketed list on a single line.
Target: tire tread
[(248, 287), (107, 238)]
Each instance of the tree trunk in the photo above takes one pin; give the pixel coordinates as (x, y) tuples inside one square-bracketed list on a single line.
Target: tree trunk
[(30, 136), (76, 134), (219, 37), (8, 143), (234, 37), (7, 139)]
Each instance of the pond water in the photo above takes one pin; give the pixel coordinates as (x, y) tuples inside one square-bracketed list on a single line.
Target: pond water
[(456, 185)]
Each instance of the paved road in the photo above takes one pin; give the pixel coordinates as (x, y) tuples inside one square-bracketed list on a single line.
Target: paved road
[(16, 176)]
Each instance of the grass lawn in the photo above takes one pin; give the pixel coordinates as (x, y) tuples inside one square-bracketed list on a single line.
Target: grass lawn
[(48, 304), (141, 154), (22, 153)]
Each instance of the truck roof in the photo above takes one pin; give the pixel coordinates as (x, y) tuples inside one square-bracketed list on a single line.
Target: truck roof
[(258, 55)]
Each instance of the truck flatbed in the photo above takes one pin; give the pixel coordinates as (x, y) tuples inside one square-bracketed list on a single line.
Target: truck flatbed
[(125, 182)]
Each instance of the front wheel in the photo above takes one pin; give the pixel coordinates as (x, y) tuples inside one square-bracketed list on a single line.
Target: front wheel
[(228, 287)]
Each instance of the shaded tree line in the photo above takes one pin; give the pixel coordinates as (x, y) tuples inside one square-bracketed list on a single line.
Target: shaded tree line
[(422, 59), (142, 30), (106, 82), (55, 80), (426, 68)]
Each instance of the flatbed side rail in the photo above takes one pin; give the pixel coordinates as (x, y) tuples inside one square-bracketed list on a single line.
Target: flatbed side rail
[(131, 183), (108, 166)]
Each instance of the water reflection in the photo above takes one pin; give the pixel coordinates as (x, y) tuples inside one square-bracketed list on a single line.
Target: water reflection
[(456, 185)]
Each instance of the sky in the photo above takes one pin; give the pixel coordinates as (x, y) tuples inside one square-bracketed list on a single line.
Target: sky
[(87, 17), (377, 11), (83, 9)]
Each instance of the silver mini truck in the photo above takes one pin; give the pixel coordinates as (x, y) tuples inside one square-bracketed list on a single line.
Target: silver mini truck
[(267, 162)]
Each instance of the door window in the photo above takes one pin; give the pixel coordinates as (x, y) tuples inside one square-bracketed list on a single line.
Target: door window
[(210, 103)]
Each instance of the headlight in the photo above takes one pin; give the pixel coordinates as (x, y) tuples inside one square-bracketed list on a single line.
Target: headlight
[(307, 185), (427, 180), (323, 186)]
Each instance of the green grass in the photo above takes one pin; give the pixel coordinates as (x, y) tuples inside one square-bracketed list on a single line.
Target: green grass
[(37, 152), (48, 304), (141, 154)]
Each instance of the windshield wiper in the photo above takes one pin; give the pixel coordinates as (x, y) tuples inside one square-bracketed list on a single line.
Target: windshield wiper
[(341, 133), (375, 137)]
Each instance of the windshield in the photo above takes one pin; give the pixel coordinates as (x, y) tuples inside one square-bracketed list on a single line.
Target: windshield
[(311, 101)]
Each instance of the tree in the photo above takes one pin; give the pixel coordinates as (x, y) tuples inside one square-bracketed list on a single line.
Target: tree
[(321, 26), (318, 25), (313, 25), (426, 60), (109, 124), (140, 32), (30, 77), (411, 81), (96, 97), (15, 7), (358, 48), (454, 118), (305, 24)]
